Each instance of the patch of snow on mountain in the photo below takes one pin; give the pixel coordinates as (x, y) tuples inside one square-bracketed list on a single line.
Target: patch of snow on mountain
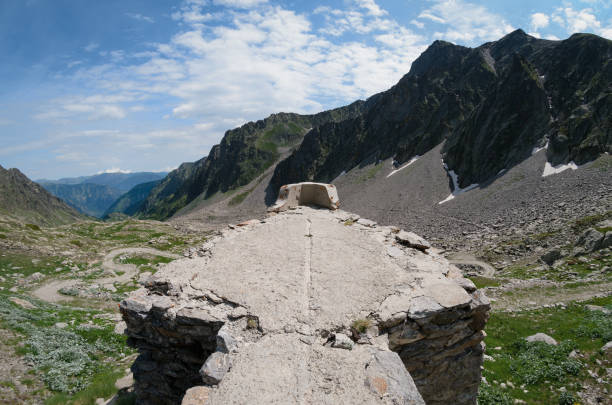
[(550, 169), (414, 159), (536, 150), (456, 189)]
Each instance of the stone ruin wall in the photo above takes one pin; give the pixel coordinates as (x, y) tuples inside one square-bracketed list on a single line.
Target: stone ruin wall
[(176, 328)]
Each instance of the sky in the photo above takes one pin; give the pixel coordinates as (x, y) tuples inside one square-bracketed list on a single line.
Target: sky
[(89, 86)]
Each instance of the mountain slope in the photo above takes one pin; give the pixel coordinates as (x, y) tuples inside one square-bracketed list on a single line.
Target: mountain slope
[(88, 198), (494, 104), (120, 181), (130, 202), (22, 199), (243, 154)]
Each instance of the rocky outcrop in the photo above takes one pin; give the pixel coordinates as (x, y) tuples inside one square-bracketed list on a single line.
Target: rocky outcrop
[(308, 306)]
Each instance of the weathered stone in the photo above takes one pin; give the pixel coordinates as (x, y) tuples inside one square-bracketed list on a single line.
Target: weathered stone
[(215, 368), (607, 240), (387, 377), (120, 327), (412, 240), (280, 292), (341, 341), (607, 348), (366, 222), (196, 396), (541, 337)]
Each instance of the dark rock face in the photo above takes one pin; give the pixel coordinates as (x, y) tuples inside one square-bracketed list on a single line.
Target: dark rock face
[(492, 104)]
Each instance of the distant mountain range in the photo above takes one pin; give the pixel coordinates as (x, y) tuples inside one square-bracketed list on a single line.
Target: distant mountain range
[(26, 201), (94, 195), (486, 109), (130, 202)]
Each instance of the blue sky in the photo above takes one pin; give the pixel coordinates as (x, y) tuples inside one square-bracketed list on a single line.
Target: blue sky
[(90, 86)]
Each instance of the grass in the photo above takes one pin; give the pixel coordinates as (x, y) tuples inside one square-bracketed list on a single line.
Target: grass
[(542, 369), (144, 260), (361, 325), (370, 173), (33, 227), (482, 282), (239, 198), (101, 386), (590, 221)]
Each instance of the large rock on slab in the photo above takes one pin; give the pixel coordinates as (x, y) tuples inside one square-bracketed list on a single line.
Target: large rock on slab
[(265, 316), (318, 194), (590, 240)]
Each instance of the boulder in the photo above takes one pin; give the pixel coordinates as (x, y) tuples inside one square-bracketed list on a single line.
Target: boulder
[(412, 240), (551, 256), (590, 240), (387, 377), (607, 240), (541, 337)]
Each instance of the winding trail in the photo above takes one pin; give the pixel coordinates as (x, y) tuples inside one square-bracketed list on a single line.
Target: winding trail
[(50, 291), (468, 259)]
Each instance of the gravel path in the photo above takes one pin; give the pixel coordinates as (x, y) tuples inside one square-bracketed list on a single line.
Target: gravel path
[(50, 291), (466, 258)]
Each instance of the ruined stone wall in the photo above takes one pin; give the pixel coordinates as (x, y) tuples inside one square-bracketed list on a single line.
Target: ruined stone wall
[(189, 335)]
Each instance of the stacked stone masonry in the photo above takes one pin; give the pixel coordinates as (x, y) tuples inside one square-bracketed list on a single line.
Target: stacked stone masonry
[(308, 306)]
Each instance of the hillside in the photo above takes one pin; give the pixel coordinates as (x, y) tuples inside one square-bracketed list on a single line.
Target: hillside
[(243, 154), (130, 202), (493, 105), (484, 110), (88, 198), (24, 200)]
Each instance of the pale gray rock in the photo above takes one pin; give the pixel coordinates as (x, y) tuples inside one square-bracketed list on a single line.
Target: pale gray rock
[(215, 368), (607, 348), (22, 303), (341, 341), (541, 337), (125, 382), (412, 240), (226, 343), (387, 377), (607, 240), (196, 396), (366, 222)]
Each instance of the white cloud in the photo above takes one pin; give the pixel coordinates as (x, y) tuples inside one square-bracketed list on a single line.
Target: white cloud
[(465, 22), (576, 20), (114, 170), (239, 3), (140, 17), (91, 47), (539, 20)]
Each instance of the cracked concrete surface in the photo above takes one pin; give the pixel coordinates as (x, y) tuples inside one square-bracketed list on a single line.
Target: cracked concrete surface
[(282, 289)]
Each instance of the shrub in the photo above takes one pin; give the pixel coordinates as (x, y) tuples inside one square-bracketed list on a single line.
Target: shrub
[(33, 227), (535, 362), (490, 395), (567, 398)]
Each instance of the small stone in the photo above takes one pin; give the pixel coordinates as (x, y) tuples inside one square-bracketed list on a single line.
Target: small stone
[(226, 343), (61, 325), (607, 348), (125, 382), (541, 337), (215, 368), (343, 342), (366, 222), (196, 396), (120, 327)]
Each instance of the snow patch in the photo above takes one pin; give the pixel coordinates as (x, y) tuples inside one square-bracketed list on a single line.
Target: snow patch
[(536, 150), (550, 169), (456, 189), (414, 159)]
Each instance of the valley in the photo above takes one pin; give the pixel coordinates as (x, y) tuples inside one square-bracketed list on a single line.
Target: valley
[(499, 156)]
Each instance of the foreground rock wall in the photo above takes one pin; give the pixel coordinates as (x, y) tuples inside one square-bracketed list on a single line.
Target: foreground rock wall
[(308, 306)]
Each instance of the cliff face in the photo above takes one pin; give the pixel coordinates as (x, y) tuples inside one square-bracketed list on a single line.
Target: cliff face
[(305, 307), (492, 104)]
